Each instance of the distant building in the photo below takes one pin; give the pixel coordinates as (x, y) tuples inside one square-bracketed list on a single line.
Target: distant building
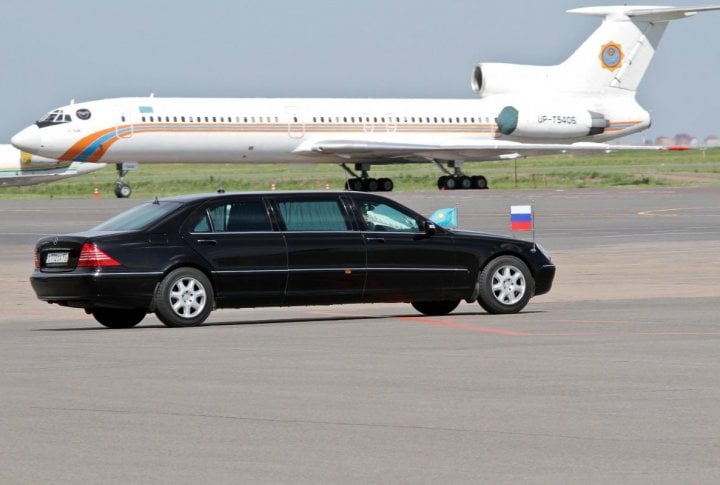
[(712, 141), (685, 140)]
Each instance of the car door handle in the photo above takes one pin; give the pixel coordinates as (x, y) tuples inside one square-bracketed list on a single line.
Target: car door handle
[(207, 242), (376, 239)]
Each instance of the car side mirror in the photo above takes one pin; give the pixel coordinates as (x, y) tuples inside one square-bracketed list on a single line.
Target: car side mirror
[(429, 227)]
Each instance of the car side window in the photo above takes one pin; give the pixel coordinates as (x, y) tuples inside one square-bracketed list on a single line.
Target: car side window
[(246, 216), (218, 215), (379, 216), (240, 216), (202, 224), (313, 215)]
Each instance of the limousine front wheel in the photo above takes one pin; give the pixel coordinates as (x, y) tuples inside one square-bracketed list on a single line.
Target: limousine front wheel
[(435, 307), (506, 285), (184, 298)]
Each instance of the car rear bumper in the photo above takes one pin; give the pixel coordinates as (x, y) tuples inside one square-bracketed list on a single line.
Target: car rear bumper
[(544, 279), (94, 290)]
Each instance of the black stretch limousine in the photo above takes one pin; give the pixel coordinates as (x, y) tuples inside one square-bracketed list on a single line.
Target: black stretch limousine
[(182, 257)]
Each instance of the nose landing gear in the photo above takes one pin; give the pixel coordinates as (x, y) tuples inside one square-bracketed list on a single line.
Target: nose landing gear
[(122, 189)]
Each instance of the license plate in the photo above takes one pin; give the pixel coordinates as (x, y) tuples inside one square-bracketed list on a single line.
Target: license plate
[(57, 258)]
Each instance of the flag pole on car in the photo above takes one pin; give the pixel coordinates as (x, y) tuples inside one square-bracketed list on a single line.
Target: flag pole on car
[(522, 218)]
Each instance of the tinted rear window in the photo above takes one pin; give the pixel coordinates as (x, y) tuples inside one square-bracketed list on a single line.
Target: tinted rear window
[(313, 215), (237, 216), (138, 217)]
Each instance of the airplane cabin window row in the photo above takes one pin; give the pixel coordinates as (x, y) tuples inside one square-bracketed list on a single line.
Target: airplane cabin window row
[(315, 119)]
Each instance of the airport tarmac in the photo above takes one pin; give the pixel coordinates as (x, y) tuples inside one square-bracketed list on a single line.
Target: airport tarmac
[(611, 377)]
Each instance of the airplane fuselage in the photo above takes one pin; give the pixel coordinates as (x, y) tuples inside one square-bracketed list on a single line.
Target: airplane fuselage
[(259, 130)]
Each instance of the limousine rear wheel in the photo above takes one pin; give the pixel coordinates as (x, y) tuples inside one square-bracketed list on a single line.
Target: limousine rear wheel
[(435, 307), (184, 298), (506, 285), (118, 318)]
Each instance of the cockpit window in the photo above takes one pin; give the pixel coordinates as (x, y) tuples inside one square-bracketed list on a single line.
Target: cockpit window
[(55, 117)]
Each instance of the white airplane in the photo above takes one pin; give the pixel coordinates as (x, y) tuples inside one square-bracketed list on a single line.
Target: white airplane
[(574, 107), (20, 168)]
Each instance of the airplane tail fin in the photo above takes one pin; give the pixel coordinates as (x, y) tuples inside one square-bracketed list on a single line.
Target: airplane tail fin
[(614, 57), (619, 52)]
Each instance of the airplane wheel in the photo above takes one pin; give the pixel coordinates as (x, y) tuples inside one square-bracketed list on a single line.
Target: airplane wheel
[(451, 183), (479, 182), (442, 181), (356, 184), (370, 185), (386, 184), (122, 190), (464, 182)]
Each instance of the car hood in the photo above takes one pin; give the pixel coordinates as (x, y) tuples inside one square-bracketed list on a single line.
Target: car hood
[(474, 234)]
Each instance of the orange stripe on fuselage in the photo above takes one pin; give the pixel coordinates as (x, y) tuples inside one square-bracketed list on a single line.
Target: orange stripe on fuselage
[(82, 144)]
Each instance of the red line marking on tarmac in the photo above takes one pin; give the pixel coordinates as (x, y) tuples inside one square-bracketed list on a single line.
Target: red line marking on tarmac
[(515, 333), (462, 326), (628, 334), (620, 322)]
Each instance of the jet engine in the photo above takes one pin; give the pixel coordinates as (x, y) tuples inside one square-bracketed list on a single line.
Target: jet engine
[(496, 78), (550, 122)]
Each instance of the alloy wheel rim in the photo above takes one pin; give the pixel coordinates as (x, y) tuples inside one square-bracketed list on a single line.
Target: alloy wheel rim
[(508, 285), (187, 297)]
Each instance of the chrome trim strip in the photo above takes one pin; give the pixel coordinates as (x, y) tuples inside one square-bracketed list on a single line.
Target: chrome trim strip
[(333, 270), (93, 275)]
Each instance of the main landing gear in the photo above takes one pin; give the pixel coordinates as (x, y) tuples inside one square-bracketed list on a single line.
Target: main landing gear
[(457, 180), (452, 180), (122, 190), (365, 183)]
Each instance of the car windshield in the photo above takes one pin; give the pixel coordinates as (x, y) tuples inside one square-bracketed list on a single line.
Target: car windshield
[(138, 217)]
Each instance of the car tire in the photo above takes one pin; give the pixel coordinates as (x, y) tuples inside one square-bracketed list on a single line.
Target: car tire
[(433, 308), (506, 285), (184, 298), (118, 318)]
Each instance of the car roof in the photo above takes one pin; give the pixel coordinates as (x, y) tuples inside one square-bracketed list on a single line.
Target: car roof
[(279, 193)]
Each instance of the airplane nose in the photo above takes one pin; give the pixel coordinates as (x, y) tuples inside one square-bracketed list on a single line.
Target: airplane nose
[(27, 140)]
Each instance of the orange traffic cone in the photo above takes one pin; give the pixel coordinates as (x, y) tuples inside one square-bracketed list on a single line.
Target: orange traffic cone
[(96, 193)]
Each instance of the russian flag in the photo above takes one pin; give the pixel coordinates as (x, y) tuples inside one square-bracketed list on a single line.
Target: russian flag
[(521, 218)]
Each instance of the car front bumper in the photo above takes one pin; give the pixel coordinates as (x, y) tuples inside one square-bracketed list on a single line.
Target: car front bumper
[(544, 279)]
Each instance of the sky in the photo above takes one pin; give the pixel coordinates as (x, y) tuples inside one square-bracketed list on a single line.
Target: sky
[(56, 51)]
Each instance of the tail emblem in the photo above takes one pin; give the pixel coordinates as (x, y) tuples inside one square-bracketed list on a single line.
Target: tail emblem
[(611, 56)]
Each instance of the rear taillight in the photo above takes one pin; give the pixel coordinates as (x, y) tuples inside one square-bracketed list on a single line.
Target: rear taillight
[(37, 259), (92, 256)]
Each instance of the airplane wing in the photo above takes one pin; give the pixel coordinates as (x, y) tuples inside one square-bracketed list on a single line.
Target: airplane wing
[(380, 152), (18, 168)]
